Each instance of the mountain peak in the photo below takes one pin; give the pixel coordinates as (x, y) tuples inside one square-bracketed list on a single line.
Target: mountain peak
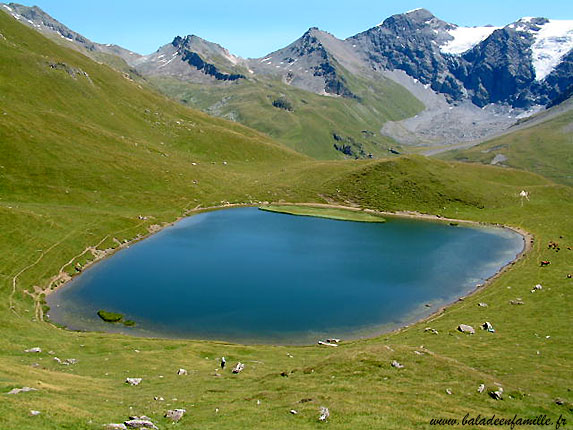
[(420, 13)]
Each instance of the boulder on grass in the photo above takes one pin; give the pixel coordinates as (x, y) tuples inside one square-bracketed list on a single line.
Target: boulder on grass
[(133, 381), (468, 329), (175, 414)]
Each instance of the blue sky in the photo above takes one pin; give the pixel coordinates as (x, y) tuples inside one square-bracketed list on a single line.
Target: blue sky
[(253, 28)]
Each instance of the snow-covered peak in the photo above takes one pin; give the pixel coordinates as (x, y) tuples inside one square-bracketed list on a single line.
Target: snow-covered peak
[(465, 38), (553, 41)]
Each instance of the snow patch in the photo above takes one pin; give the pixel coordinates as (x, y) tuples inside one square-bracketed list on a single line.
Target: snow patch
[(166, 63), (265, 59), (7, 7), (552, 42), (233, 59), (465, 38)]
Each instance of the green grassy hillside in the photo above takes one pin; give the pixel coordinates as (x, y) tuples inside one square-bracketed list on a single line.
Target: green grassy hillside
[(545, 148), (311, 121), (83, 157)]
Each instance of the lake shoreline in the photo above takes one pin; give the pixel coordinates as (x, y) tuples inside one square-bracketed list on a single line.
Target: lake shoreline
[(526, 237)]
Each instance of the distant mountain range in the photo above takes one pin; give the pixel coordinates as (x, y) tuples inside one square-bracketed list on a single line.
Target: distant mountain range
[(524, 66)]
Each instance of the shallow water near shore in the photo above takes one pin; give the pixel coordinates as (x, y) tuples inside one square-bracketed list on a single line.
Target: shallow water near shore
[(250, 276)]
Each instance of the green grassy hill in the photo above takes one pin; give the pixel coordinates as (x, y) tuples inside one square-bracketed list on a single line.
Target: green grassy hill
[(83, 157), (310, 123), (545, 147)]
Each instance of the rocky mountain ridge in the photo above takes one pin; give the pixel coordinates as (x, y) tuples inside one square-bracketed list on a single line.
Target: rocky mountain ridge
[(524, 64)]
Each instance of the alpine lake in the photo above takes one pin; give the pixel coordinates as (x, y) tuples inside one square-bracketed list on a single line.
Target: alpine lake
[(250, 276)]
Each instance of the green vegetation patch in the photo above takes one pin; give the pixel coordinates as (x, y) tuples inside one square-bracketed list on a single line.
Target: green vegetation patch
[(110, 317), (324, 212)]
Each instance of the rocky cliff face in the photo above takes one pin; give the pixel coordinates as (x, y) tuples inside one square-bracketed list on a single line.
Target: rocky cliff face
[(185, 50), (306, 64), (511, 65), (524, 64), (411, 42)]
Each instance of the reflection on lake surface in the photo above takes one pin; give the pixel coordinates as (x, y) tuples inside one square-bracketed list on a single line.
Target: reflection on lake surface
[(250, 276)]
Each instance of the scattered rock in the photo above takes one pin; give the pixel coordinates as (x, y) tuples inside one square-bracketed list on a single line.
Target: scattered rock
[(21, 390), (326, 343), (66, 362), (397, 365), (537, 287), (306, 400), (464, 328), (333, 340), (481, 388), (114, 427), (35, 349), (487, 326), (182, 372), (285, 374), (34, 413), (175, 414), (140, 424), (431, 330), (324, 414), (496, 395), (482, 305), (449, 391), (559, 402), (158, 398), (238, 368), (292, 411), (133, 381), (516, 302)]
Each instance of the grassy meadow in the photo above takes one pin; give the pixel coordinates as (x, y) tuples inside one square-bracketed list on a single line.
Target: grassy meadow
[(545, 148), (90, 159), (312, 121)]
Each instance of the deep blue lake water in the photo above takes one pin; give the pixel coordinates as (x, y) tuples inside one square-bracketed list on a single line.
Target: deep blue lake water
[(246, 275)]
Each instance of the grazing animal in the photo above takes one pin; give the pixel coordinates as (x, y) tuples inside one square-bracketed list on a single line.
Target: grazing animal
[(223, 362), (544, 263)]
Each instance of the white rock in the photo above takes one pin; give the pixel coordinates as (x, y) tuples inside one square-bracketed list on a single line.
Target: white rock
[(324, 414), (35, 349), (397, 365), (175, 414), (182, 372), (464, 328), (114, 426), (481, 388), (238, 368), (133, 381), (21, 390), (139, 424)]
